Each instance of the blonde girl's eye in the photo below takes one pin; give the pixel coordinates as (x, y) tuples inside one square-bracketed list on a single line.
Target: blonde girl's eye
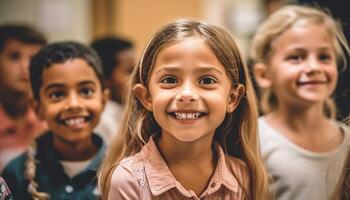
[(169, 80), (295, 58), (325, 57), (206, 80)]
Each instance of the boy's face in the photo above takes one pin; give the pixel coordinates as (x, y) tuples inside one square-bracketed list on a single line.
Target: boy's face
[(14, 62), (71, 100), (121, 74)]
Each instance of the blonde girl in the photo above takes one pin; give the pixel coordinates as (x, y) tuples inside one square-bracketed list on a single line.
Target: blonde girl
[(297, 51), (190, 127)]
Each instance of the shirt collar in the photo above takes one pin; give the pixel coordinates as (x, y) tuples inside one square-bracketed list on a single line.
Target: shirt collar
[(161, 180), (47, 153)]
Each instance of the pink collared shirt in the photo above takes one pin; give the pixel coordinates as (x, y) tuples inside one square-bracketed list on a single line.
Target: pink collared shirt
[(146, 176)]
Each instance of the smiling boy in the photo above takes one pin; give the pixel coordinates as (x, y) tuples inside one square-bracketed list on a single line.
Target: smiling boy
[(66, 80)]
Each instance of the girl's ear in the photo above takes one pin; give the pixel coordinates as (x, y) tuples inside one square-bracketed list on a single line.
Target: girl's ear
[(235, 97), (261, 75), (35, 105), (143, 95)]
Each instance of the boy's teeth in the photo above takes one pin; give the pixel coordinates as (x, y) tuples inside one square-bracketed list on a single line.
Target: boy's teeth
[(187, 116), (74, 121)]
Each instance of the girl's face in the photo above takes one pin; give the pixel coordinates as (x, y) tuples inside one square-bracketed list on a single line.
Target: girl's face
[(71, 100), (302, 67), (189, 91)]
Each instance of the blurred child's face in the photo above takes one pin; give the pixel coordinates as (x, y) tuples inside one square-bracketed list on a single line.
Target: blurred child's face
[(303, 67), (189, 91), (71, 100), (14, 63), (121, 74)]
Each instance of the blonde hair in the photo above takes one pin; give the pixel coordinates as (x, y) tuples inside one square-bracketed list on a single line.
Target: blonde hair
[(342, 190), (238, 132), (29, 174), (280, 21)]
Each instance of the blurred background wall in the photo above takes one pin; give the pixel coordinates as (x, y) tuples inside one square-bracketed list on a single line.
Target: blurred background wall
[(85, 20), (136, 20)]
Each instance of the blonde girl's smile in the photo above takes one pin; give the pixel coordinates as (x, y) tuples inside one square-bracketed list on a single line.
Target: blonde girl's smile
[(303, 64)]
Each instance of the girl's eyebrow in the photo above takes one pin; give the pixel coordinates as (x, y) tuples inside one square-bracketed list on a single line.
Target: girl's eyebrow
[(200, 69)]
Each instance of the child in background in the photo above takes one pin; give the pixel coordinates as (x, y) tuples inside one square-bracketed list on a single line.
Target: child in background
[(18, 123), (118, 61), (189, 129), (67, 84), (342, 192), (297, 51)]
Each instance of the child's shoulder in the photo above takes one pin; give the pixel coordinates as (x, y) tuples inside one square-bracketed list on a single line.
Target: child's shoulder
[(127, 177), (238, 167)]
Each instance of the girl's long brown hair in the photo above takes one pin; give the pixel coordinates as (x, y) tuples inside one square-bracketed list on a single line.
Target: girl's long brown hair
[(238, 132)]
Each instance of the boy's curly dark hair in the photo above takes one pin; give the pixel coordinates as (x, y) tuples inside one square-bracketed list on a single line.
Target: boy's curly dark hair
[(59, 53)]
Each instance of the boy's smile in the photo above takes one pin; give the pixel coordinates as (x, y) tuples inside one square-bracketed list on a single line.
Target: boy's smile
[(71, 100)]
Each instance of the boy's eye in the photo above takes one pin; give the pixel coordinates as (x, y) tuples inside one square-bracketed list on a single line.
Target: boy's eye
[(87, 92), (207, 80), (169, 80), (57, 95), (14, 56)]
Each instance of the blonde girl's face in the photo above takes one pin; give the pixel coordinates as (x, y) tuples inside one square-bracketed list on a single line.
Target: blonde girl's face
[(189, 91), (302, 67)]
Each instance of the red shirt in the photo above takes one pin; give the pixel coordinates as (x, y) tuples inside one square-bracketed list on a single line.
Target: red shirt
[(17, 134)]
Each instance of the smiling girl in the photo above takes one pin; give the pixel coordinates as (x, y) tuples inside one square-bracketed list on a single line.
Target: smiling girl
[(190, 126), (297, 51)]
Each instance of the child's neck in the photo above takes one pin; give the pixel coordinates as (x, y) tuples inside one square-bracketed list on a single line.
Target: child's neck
[(305, 117), (79, 151), (191, 163), (308, 128)]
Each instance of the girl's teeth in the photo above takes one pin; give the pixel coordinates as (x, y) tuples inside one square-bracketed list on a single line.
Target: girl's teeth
[(187, 116), (74, 121)]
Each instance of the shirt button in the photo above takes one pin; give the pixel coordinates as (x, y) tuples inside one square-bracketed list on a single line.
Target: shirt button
[(212, 185), (69, 189)]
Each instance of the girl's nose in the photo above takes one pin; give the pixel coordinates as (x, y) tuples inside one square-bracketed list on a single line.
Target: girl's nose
[(187, 94), (313, 66)]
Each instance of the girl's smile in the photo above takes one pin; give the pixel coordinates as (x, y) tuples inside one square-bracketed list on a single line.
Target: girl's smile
[(189, 90)]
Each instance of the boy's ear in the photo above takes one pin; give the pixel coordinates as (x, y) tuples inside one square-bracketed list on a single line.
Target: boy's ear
[(35, 105), (142, 94), (106, 95), (235, 97), (261, 75)]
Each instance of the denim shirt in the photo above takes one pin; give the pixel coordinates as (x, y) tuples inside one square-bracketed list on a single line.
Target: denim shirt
[(50, 174)]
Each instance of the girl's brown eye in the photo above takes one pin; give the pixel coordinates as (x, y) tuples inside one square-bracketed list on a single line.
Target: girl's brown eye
[(169, 80), (207, 80)]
